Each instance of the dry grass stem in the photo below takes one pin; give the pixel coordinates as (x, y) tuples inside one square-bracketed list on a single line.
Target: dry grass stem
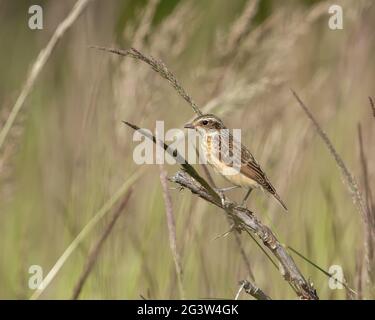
[(159, 67), (370, 226), (348, 178), (171, 229), (94, 253), (351, 185), (366, 177)]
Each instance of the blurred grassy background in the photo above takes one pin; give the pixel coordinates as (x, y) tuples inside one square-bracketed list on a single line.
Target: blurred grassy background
[(69, 151)]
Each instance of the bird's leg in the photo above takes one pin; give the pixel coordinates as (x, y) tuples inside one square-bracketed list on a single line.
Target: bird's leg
[(243, 203), (221, 195), (221, 191)]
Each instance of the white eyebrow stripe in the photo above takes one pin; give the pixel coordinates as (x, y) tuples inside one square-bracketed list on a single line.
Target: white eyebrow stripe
[(211, 118)]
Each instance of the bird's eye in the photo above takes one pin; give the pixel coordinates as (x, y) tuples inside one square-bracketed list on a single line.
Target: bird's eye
[(205, 122)]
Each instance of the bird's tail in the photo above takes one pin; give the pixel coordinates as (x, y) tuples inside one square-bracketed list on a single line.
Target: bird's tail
[(277, 197)]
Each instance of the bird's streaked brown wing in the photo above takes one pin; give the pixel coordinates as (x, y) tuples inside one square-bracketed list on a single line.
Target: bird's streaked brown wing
[(252, 169), (249, 166)]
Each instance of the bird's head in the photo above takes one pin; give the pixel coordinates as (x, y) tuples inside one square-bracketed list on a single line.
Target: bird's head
[(206, 123)]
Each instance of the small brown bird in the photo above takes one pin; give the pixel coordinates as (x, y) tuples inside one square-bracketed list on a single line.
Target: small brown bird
[(220, 148)]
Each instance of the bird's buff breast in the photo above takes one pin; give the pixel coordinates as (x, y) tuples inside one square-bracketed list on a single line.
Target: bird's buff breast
[(231, 174)]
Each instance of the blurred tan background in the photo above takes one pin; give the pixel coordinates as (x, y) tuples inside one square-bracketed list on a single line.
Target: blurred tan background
[(69, 152)]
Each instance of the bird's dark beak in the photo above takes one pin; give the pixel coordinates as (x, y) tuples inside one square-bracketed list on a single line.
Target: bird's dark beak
[(189, 126)]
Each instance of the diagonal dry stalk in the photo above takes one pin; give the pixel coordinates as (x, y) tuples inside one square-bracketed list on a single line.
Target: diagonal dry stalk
[(171, 229), (159, 67), (252, 290), (242, 218), (39, 63), (369, 256), (366, 177), (94, 253), (353, 189)]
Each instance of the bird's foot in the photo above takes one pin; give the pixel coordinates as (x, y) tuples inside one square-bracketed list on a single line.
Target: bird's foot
[(220, 192), (222, 197), (243, 204)]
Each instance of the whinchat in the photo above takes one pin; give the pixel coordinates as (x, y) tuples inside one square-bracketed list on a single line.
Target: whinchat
[(222, 152)]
